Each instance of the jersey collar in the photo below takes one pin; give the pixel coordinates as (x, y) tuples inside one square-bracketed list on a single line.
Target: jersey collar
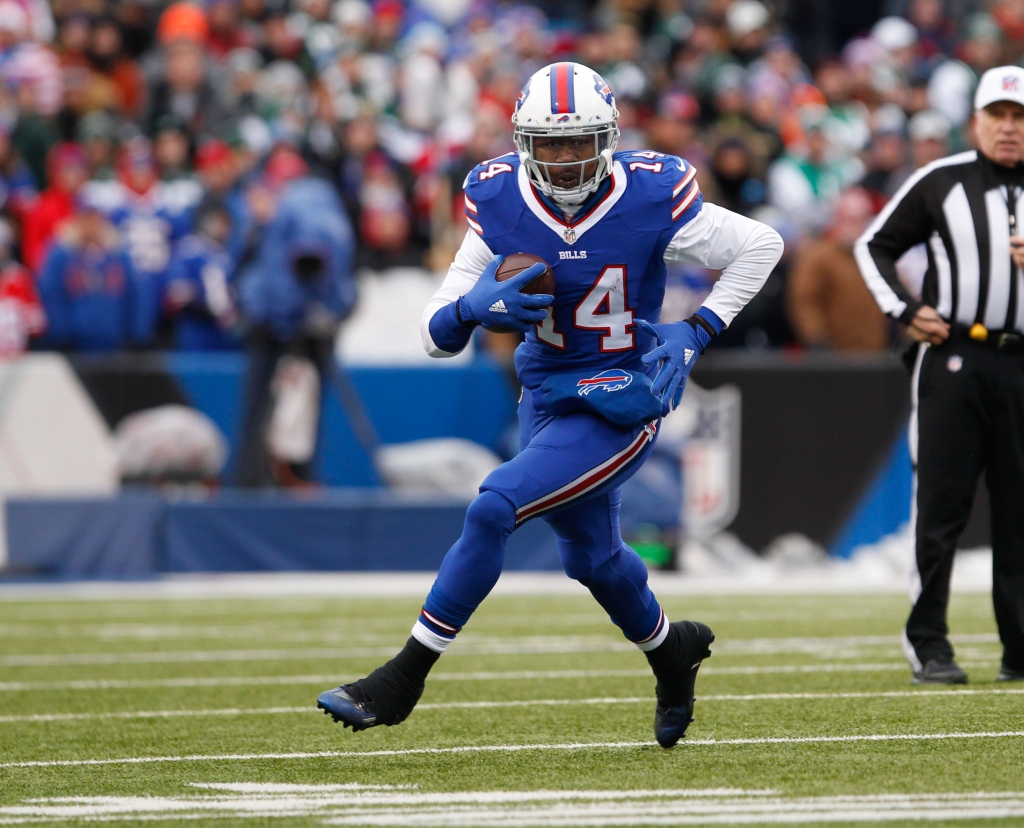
[(571, 231)]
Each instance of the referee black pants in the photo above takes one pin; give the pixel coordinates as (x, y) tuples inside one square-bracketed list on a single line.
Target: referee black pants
[(968, 418)]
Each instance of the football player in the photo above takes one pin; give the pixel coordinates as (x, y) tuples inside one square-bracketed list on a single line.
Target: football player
[(606, 222)]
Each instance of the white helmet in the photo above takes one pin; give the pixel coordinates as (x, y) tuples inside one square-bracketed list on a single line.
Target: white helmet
[(566, 99)]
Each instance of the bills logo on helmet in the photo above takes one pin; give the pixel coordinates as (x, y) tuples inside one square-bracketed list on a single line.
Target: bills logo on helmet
[(523, 95), (603, 89), (563, 119), (608, 380)]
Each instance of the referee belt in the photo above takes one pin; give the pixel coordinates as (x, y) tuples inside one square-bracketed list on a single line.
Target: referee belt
[(1007, 342)]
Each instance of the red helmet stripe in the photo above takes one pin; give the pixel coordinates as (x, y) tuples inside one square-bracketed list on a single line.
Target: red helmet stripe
[(562, 97)]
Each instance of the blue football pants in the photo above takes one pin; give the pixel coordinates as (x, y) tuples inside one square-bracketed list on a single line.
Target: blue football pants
[(569, 472)]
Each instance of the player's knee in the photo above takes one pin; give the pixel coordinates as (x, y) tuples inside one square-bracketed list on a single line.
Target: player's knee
[(578, 570), (490, 510), (580, 560)]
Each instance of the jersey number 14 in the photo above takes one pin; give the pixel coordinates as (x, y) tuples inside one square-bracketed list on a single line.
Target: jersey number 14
[(603, 308)]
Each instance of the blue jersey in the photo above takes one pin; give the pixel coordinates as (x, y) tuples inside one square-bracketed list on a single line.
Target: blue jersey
[(202, 271), (608, 260)]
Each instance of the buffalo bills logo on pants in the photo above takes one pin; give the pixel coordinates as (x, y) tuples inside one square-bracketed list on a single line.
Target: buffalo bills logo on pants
[(608, 380)]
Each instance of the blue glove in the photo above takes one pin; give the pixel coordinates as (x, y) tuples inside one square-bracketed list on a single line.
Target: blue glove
[(495, 304), (679, 345)]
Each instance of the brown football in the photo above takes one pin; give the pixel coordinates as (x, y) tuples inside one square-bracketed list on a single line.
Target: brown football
[(517, 263)]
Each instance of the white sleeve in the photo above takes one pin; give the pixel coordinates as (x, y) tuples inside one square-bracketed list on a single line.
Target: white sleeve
[(743, 249), (470, 261)]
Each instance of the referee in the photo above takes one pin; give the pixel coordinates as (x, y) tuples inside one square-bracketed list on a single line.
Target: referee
[(968, 382)]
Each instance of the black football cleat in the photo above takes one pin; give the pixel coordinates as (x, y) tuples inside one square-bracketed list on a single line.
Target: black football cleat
[(670, 723), (385, 697), (1009, 674), (347, 704), (939, 671)]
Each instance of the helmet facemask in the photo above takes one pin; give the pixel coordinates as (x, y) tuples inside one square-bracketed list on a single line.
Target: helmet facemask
[(602, 140)]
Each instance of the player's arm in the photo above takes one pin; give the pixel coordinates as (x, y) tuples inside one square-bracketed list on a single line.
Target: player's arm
[(903, 223), (470, 296), (745, 251)]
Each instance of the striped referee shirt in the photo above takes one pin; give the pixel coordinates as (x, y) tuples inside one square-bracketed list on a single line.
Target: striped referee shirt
[(964, 209)]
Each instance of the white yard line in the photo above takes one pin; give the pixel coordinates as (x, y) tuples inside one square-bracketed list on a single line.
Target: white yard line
[(517, 809), (338, 754), (512, 675), (534, 646), (475, 645), (485, 705)]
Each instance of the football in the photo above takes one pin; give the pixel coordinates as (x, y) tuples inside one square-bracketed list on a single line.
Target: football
[(516, 263)]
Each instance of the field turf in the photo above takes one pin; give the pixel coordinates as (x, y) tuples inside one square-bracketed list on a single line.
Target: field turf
[(193, 711)]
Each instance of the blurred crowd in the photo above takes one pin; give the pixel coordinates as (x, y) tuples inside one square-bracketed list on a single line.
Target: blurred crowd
[(146, 148)]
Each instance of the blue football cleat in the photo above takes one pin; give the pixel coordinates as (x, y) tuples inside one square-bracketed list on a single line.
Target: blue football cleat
[(670, 723), (347, 704)]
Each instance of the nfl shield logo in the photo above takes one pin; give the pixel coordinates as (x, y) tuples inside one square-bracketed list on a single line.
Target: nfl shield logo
[(1011, 83), (569, 235), (711, 460)]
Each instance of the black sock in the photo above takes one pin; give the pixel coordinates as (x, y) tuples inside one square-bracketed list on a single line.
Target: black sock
[(669, 669), (394, 688)]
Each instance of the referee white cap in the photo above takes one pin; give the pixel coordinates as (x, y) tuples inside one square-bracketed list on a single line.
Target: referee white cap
[(1004, 83)]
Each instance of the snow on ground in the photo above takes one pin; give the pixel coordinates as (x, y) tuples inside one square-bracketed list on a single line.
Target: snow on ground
[(722, 564)]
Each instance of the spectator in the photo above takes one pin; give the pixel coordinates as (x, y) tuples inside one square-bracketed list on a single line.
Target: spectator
[(109, 62), (806, 182), (952, 84), (18, 191), (97, 134), (68, 170), (293, 293), (218, 172), (185, 90), (225, 33), (27, 66), (735, 185), (734, 121), (888, 162), (929, 137), (21, 313), (198, 295), (150, 216), (673, 129), (828, 303), (747, 21), (170, 146), (89, 290)]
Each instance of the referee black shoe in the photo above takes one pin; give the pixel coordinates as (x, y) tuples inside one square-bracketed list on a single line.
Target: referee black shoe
[(938, 671), (1008, 674)]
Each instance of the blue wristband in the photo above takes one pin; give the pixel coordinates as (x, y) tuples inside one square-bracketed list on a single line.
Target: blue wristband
[(448, 331)]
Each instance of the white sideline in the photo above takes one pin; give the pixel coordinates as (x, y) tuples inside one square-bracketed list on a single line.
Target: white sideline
[(484, 705), (417, 584), (340, 754)]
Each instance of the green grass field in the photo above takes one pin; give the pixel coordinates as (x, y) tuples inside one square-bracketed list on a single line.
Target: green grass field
[(173, 711)]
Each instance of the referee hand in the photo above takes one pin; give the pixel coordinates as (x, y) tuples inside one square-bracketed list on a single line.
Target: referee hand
[(1017, 250), (928, 326)]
